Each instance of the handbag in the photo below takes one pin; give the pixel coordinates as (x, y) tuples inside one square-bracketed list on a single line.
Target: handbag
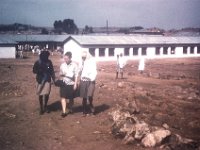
[(59, 83)]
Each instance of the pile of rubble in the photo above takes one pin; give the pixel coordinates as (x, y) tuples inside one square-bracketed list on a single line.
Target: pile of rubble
[(127, 126)]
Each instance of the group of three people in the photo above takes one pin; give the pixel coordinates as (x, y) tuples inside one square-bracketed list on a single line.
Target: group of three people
[(73, 78)]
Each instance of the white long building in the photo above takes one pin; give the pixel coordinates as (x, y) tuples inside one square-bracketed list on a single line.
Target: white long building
[(7, 48), (105, 48)]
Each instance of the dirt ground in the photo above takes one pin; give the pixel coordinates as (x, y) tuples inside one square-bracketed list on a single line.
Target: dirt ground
[(167, 92)]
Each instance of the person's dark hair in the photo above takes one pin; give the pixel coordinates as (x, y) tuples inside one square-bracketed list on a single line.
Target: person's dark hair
[(44, 55), (69, 54)]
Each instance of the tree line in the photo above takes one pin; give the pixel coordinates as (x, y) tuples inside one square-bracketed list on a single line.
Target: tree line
[(18, 27), (66, 26), (69, 26)]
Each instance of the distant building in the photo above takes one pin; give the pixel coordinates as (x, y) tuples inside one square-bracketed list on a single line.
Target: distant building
[(105, 48), (7, 48)]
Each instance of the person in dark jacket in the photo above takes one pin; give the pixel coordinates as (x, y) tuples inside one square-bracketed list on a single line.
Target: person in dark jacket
[(44, 70)]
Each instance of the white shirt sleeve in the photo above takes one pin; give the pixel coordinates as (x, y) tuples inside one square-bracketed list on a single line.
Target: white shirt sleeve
[(89, 69)]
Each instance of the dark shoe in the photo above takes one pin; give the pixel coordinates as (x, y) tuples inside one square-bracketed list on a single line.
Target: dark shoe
[(46, 110), (70, 111), (41, 112), (84, 115), (63, 115), (92, 110)]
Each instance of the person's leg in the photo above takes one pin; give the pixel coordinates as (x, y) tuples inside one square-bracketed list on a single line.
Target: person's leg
[(84, 103), (116, 75), (71, 103), (41, 104), (121, 72), (91, 105), (64, 104), (46, 98)]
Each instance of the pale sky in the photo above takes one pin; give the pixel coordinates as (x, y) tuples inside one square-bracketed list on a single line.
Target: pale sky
[(165, 14)]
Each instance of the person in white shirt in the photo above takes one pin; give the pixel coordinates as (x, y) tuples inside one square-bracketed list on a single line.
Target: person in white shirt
[(120, 65), (88, 73), (141, 65), (69, 75)]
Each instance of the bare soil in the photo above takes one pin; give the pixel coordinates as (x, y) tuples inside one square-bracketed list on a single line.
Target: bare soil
[(167, 92)]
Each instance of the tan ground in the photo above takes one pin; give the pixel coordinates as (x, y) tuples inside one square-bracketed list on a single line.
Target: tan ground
[(167, 92)]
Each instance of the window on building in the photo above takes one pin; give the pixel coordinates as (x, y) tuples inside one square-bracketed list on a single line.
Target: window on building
[(126, 51), (184, 50), (144, 51), (92, 51), (111, 52), (157, 50), (165, 52), (172, 50), (101, 52), (135, 51), (198, 49), (191, 50)]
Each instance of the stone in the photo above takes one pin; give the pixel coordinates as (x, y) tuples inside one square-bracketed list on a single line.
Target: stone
[(97, 132), (165, 126), (127, 127), (120, 84), (141, 129), (119, 115), (128, 139), (132, 106), (155, 138)]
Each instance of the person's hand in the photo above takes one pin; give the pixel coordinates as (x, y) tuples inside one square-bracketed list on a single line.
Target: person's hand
[(53, 82), (75, 86), (78, 83)]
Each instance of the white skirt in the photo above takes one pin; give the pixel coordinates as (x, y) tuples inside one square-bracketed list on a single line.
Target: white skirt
[(43, 89)]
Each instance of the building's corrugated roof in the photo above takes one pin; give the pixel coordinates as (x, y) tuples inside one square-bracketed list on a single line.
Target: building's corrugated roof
[(102, 39), (35, 38), (131, 40), (6, 41)]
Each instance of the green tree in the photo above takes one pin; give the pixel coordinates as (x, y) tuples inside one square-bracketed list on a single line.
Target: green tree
[(87, 30), (44, 31), (67, 25)]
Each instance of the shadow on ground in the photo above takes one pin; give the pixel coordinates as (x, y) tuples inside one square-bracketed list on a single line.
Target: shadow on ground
[(56, 106)]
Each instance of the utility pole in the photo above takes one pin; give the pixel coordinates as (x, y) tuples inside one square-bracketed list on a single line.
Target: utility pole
[(107, 27)]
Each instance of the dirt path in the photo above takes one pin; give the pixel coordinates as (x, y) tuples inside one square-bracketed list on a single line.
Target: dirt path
[(170, 101)]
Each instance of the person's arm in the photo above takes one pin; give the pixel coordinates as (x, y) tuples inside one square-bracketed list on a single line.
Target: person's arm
[(93, 69), (35, 68), (52, 72), (61, 73), (76, 74)]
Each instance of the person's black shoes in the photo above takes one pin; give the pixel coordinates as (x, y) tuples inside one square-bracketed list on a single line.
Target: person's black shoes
[(41, 112), (63, 115), (46, 110), (84, 115), (92, 110), (70, 111)]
